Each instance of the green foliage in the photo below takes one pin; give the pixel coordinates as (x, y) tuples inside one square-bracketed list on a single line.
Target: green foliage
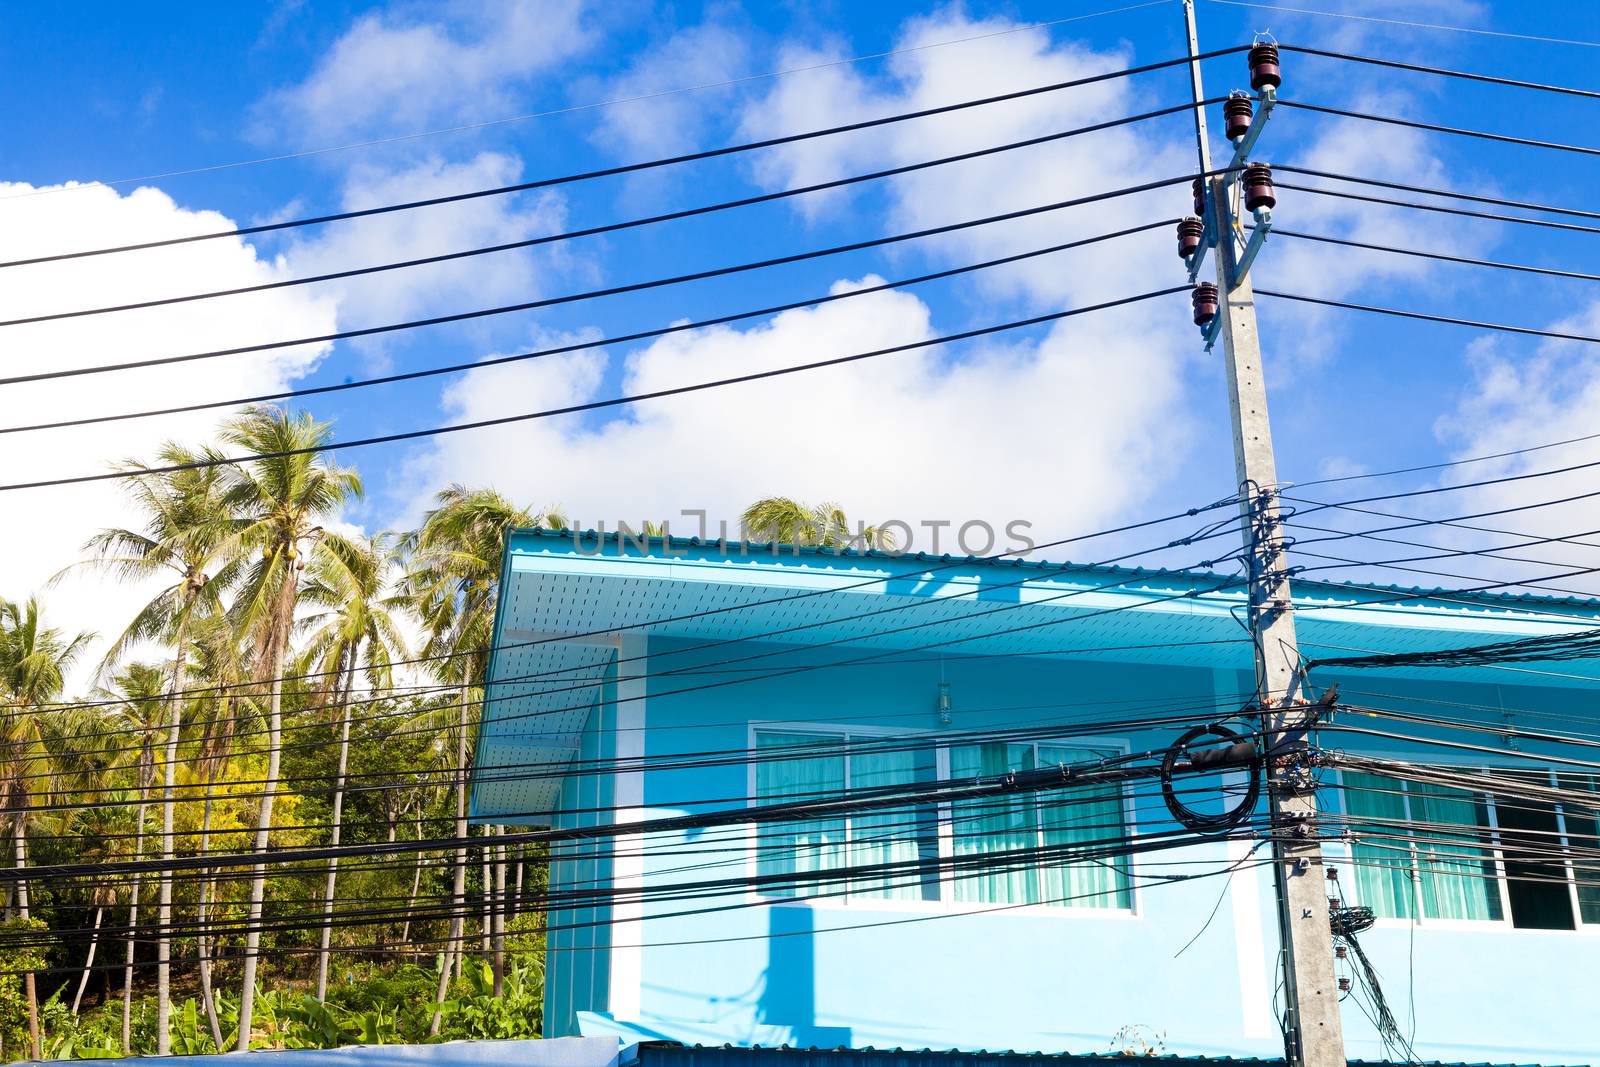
[(13, 995), (476, 1012)]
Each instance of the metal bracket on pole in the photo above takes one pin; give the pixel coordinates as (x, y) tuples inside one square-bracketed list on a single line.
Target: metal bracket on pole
[(1258, 236), (1242, 148), (1210, 330)]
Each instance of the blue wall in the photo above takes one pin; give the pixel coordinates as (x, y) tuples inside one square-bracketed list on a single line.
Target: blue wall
[(1048, 979)]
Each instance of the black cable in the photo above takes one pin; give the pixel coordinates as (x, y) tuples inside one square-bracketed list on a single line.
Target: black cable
[(1394, 64), (1525, 331), (1441, 256), (614, 227), (604, 342), (923, 567), (596, 405), (615, 290), (1569, 227), (1454, 194), (1434, 127), (629, 168)]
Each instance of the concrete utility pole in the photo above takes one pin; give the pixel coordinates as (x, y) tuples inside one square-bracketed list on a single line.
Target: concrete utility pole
[(1315, 1037)]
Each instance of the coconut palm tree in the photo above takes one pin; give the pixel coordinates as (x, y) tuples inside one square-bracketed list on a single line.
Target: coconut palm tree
[(34, 661), (782, 520), (357, 629), (454, 580), (186, 536), (284, 495), (137, 693)]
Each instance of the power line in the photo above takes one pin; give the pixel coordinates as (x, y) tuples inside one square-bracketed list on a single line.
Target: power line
[(613, 227), (1395, 64), (1445, 464), (1434, 127), (1455, 194), (921, 569), (573, 109), (591, 294), (1450, 320), (678, 327), (1444, 257), (1408, 23), (596, 405), (626, 168), (1444, 209)]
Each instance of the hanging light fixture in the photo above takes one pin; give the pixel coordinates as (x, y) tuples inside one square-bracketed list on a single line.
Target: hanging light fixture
[(943, 707)]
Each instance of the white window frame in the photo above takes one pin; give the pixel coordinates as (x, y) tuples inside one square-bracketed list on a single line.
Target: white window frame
[(945, 904), (1495, 853)]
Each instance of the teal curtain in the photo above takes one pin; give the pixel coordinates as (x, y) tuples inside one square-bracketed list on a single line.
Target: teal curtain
[(1458, 880), (889, 836), (809, 845), (993, 824), (1383, 861), (1054, 818), (1583, 836), (1077, 816)]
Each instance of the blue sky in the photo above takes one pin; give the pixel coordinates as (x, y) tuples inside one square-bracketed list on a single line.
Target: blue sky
[(1085, 424)]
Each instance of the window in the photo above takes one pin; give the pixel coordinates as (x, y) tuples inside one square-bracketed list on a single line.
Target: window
[(1582, 833), (1423, 857), (826, 764), (1084, 815), (803, 763)]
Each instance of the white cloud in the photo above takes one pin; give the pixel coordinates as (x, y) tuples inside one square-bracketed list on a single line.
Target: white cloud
[(1516, 399), (1051, 432), (453, 285), (704, 54), (45, 527), (395, 72)]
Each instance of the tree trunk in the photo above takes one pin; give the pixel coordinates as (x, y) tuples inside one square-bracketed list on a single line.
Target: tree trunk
[(416, 884), (258, 880), (522, 864), (168, 803), (456, 944), (19, 839), (348, 680), (88, 962), (203, 946), (499, 915), (486, 855), (133, 911)]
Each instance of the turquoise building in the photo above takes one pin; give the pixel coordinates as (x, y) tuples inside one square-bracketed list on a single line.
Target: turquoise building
[(636, 680)]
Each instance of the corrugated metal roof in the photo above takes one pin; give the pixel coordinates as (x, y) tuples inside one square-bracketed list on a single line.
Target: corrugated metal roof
[(1063, 567), (674, 1054)]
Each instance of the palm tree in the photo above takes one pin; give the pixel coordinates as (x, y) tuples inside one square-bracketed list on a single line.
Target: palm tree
[(34, 661), (454, 580), (283, 495), (188, 536), (782, 520), (137, 712), (358, 629)]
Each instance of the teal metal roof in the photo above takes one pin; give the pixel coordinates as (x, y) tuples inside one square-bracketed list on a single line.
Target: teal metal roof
[(673, 1054)]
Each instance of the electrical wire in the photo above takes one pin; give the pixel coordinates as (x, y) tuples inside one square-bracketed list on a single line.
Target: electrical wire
[(1417, 68), (575, 108), (597, 405), (1443, 257), (582, 346), (611, 227), (1454, 194), (626, 168), (1434, 127), (1551, 224), (1451, 320), (591, 294), (1409, 24)]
